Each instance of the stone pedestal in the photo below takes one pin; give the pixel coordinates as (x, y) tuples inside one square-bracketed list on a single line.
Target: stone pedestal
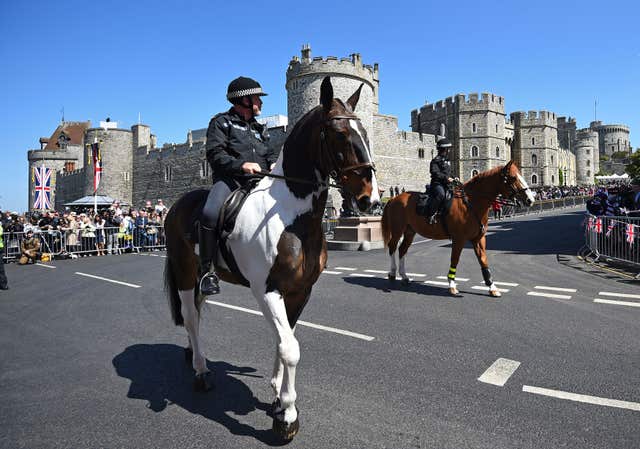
[(357, 234)]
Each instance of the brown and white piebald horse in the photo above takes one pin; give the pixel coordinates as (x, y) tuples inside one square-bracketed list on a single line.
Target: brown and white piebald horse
[(466, 221), (277, 242)]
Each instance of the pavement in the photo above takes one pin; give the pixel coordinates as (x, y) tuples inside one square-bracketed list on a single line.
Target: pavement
[(91, 359)]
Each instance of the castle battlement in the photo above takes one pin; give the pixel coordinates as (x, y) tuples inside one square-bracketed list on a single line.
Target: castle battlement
[(352, 65), (472, 101), (65, 174), (535, 118)]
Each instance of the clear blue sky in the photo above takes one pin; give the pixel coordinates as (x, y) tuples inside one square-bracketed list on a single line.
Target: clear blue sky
[(171, 61)]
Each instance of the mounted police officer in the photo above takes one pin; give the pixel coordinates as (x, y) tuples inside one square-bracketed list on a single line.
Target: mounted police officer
[(237, 148), (440, 169)]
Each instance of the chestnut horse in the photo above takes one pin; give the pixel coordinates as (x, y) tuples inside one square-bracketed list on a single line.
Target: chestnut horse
[(277, 242), (466, 220)]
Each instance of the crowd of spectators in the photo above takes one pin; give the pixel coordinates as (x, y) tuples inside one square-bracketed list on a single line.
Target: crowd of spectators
[(616, 199), (557, 192), (82, 232)]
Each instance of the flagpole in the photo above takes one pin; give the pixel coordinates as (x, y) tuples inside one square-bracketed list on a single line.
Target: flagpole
[(95, 191)]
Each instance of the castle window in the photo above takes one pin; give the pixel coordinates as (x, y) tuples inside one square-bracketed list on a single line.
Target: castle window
[(588, 163), (168, 173), (533, 141), (553, 179), (474, 173), (534, 179), (588, 152), (473, 127), (496, 127), (498, 152), (126, 177), (588, 172), (421, 153), (474, 151), (613, 148), (204, 169), (534, 159), (551, 160)]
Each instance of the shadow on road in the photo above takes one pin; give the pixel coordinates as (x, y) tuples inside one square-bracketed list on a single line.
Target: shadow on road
[(159, 375), (415, 286)]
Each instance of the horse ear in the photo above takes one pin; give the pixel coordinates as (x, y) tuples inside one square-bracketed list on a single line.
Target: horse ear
[(353, 99), (326, 94)]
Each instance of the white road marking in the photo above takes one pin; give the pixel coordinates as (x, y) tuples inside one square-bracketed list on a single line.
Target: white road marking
[(445, 284), (485, 288), (582, 398), (620, 295), (361, 275), (499, 372), (618, 303), (555, 289), (508, 284), (457, 279), (300, 323), (346, 268), (421, 241), (108, 280), (418, 275), (376, 271), (43, 265), (548, 295), (331, 272)]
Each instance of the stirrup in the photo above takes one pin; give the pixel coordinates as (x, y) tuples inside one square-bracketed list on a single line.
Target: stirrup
[(209, 284)]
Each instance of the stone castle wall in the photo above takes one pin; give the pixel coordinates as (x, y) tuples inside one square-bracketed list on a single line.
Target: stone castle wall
[(117, 161)]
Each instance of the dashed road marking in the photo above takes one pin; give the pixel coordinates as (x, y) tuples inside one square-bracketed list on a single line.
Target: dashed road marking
[(300, 323), (445, 284), (418, 275), (485, 288), (499, 372), (508, 284), (361, 275), (345, 268), (376, 271), (43, 265), (108, 280), (331, 272), (420, 241), (619, 295), (457, 279), (555, 289), (549, 295), (582, 398), (617, 303)]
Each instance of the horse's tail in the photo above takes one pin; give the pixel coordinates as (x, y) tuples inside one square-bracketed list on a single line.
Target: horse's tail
[(386, 225), (171, 287), (394, 217)]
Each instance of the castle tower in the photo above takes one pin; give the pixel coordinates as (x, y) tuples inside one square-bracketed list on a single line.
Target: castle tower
[(612, 138), (305, 75), (476, 126), (536, 146), (587, 156), (116, 147), (566, 132)]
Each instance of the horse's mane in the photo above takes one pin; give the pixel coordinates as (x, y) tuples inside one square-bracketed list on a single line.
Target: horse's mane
[(477, 179)]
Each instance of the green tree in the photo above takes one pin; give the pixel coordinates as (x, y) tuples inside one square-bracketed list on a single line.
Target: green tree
[(560, 177), (618, 155), (633, 169)]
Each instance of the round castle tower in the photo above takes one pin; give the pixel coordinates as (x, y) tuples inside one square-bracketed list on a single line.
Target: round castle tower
[(612, 138), (587, 156), (305, 75), (536, 146), (116, 148)]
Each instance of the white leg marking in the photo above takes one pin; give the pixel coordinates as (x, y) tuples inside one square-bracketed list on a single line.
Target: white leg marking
[(452, 283), (192, 324), (393, 269), (276, 378), (403, 272), (288, 352)]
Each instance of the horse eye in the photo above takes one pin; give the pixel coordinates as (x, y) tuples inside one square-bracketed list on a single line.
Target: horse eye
[(340, 157)]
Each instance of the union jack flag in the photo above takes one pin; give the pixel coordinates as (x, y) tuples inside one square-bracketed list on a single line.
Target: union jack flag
[(42, 188), (612, 224), (590, 223), (97, 165), (630, 233), (598, 225)]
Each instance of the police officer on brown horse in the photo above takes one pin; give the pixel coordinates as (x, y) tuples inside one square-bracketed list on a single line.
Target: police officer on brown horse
[(440, 169), (237, 148)]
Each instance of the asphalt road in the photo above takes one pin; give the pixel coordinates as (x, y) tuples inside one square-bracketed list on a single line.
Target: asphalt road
[(88, 363)]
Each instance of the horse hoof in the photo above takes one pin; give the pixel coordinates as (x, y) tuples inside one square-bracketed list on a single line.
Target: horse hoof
[(454, 292), (203, 382), (405, 281), (284, 430), (275, 405), (188, 356), (391, 277), (495, 293)]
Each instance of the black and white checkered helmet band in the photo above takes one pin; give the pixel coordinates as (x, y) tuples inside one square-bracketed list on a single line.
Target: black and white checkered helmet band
[(245, 92)]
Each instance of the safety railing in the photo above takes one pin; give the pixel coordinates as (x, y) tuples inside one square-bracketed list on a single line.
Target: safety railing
[(51, 242), (542, 206), (616, 238)]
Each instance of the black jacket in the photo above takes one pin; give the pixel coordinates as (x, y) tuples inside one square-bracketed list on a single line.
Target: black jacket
[(440, 169), (232, 141)]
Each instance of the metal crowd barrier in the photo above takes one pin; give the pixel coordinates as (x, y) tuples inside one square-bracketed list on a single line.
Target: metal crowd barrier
[(542, 206), (51, 242), (616, 238)]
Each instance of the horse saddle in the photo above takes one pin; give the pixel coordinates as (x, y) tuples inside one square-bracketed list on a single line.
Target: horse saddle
[(423, 206)]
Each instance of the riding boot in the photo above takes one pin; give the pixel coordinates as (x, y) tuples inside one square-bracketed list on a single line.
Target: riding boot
[(208, 279)]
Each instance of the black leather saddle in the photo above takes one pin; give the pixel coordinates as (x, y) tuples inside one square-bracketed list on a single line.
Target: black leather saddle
[(422, 204)]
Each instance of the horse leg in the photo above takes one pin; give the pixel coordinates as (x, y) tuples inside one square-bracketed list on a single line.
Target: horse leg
[(409, 234), (479, 246), (393, 245), (285, 419), (456, 250), (191, 324)]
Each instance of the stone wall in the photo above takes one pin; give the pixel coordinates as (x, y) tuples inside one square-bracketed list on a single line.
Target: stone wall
[(117, 163), (69, 187)]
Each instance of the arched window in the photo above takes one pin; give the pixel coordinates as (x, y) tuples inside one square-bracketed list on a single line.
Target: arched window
[(496, 127), (421, 153), (474, 173), (498, 152), (553, 179), (473, 127), (551, 160), (588, 163), (534, 159), (588, 172), (474, 151), (534, 179), (533, 141)]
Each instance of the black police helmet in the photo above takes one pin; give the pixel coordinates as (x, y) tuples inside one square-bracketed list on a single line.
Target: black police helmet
[(443, 144), (242, 87)]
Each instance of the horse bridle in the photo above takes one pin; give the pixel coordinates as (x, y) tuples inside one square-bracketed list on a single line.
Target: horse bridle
[(509, 181), (338, 172)]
